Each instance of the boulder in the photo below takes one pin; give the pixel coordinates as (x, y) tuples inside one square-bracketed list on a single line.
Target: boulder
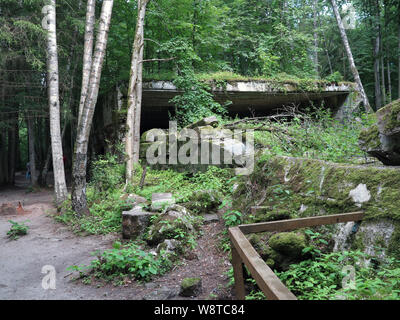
[(191, 287), (135, 222), (210, 218), (288, 243), (174, 220), (169, 246), (382, 139)]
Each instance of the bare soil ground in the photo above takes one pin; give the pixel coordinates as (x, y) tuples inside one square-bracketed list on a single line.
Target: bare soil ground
[(52, 243)]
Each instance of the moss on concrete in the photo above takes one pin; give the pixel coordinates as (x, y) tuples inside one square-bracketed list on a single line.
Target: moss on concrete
[(390, 116), (369, 138)]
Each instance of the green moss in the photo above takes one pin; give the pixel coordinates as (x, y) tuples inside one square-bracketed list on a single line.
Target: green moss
[(391, 115), (369, 138), (357, 243), (288, 243), (394, 247), (188, 283), (323, 187)]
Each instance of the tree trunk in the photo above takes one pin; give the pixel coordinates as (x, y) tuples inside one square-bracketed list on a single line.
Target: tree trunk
[(60, 186), (87, 53), (79, 201), (378, 96), (315, 21), (384, 98), (12, 147), (132, 140), (32, 153), (350, 57), (398, 94), (45, 171)]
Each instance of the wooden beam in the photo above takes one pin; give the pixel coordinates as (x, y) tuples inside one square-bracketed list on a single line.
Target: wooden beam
[(238, 273), (266, 279), (292, 224)]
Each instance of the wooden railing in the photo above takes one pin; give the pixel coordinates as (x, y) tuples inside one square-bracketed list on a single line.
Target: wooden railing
[(243, 252)]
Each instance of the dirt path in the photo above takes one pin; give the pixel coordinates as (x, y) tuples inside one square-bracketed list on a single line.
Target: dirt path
[(51, 243)]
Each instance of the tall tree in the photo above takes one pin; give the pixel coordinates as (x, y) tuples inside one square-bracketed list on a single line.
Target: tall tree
[(132, 141), (78, 195), (87, 52), (60, 186), (350, 57), (31, 149), (398, 36)]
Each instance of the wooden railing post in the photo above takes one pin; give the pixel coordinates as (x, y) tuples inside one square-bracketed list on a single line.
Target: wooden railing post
[(238, 273)]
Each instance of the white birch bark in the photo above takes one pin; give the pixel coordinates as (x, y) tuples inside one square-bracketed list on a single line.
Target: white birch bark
[(79, 201), (350, 57), (87, 53), (132, 140), (60, 186)]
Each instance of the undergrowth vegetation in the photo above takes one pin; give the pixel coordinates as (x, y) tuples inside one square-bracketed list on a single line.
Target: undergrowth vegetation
[(312, 133)]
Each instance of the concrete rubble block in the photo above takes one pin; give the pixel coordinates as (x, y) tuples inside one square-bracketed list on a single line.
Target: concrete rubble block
[(382, 139), (135, 222)]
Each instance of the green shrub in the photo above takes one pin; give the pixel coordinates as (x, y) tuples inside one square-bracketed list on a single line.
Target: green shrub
[(129, 260), (107, 172), (17, 229)]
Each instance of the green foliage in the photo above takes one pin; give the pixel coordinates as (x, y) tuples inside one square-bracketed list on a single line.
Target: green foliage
[(315, 134), (196, 101), (17, 229), (232, 218), (129, 260), (107, 173), (185, 186), (335, 77), (322, 277), (105, 213)]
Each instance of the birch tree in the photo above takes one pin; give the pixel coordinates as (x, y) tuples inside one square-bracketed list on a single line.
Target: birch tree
[(350, 57), (78, 195), (60, 186), (87, 52), (132, 141)]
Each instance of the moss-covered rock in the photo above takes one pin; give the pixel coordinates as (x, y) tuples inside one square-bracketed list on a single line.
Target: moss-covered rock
[(191, 287), (382, 139), (388, 118), (306, 187), (290, 244), (204, 201), (176, 222)]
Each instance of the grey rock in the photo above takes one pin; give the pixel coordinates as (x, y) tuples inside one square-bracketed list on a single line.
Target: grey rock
[(135, 222), (164, 293), (174, 217), (169, 245), (210, 218), (382, 139)]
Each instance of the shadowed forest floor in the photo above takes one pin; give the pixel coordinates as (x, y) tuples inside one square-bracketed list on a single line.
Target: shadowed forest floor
[(52, 243)]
